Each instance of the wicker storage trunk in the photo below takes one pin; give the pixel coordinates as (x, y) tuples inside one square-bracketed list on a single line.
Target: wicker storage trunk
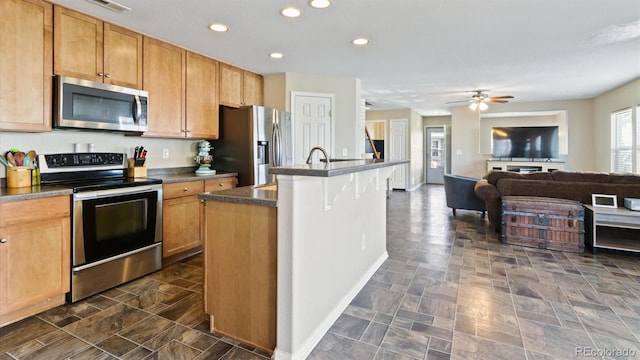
[(545, 223)]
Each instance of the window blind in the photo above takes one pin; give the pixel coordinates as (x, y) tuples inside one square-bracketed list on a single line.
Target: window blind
[(622, 141)]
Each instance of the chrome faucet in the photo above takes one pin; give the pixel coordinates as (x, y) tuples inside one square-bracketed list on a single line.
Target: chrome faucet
[(324, 152)]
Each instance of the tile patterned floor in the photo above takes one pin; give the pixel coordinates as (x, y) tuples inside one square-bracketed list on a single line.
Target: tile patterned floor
[(449, 290)]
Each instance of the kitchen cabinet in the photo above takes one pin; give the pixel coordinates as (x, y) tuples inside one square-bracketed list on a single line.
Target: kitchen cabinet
[(240, 87), (26, 40), (164, 79), (181, 212), (183, 92), (88, 48), (240, 271), (34, 256), (202, 107)]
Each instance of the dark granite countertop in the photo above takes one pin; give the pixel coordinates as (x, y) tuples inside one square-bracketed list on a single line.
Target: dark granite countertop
[(335, 168), (261, 195)]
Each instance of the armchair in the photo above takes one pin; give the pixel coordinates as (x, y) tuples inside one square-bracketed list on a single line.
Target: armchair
[(460, 194)]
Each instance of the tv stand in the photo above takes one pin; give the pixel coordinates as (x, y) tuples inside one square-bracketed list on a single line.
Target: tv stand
[(524, 166)]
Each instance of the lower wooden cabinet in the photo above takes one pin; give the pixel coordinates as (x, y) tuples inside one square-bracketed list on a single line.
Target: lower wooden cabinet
[(182, 215), (35, 240)]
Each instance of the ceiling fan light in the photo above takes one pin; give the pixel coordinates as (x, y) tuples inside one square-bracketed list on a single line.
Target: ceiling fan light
[(473, 106), (483, 106)]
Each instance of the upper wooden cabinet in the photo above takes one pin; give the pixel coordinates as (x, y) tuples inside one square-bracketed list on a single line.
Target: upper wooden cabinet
[(201, 97), (26, 63), (164, 79), (239, 87), (88, 48)]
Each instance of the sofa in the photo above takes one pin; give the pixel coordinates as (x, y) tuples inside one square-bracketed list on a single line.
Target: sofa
[(571, 185), (460, 193)]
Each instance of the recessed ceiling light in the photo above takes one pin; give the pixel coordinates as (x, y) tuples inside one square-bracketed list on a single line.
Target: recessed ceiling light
[(320, 4), (276, 55), (219, 27), (290, 12), (360, 41)]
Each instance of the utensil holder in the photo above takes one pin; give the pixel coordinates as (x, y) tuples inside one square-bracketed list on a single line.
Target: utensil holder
[(18, 176), (136, 168)]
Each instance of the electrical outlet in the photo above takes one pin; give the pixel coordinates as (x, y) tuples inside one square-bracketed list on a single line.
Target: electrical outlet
[(345, 152), (364, 242), (165, 153), (458, 152)]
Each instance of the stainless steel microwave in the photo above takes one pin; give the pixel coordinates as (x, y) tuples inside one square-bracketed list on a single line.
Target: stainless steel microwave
[(84, 104)]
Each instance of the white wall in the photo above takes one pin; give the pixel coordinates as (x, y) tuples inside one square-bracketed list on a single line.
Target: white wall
[(625, 96), (349, 130), (181, 151), (465, 134)]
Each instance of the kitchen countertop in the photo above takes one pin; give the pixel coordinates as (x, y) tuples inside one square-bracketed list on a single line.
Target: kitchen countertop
[(335, 167), (261, 195), (169, 175), (32, 192)]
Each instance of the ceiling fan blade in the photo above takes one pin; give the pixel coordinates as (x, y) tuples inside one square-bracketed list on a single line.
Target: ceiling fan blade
[(501, 97), (458, 101), (493, 100)]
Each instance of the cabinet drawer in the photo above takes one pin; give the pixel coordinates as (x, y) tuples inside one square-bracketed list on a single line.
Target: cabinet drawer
[(182, 189), (27, 211), (220, 184)]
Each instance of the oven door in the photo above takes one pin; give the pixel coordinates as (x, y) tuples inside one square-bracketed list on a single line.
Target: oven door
[(113, 222)]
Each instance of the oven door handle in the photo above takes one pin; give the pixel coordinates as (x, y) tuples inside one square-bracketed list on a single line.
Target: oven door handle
[(119, 191)]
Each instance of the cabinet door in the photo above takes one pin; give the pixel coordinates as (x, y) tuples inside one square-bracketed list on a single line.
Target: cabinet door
[(164, 79), (78, 46), (122, 57), (34, 267), (230, 85), (252, 84), (180, 225), (25, 65), (202, 97)]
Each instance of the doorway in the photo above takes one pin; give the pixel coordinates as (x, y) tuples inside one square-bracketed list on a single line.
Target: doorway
[(312, 124), (435, 154)]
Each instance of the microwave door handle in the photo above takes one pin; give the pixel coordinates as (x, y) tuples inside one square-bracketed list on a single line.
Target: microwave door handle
[(137, 108)]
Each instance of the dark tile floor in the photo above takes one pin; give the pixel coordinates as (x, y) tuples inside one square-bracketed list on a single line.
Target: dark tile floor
[(449, 290)]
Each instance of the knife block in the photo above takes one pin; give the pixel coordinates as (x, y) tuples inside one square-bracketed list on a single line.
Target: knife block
[(134, 171)]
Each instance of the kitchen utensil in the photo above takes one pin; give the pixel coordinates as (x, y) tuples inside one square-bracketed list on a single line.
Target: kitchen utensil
[(32, 155), (10, 158), (5, 162), (18, 157)]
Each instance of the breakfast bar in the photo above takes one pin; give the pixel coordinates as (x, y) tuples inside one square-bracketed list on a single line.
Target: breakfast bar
[(331, 238)]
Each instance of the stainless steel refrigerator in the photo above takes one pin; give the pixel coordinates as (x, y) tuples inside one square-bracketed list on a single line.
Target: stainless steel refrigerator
[(252, 139)]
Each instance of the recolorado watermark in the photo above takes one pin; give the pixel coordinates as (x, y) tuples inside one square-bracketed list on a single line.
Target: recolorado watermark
[(585, 352)]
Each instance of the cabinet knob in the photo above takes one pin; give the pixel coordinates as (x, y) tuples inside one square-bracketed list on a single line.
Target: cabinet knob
[(100, 74), (107, 76), (221, 184), (3, 240)]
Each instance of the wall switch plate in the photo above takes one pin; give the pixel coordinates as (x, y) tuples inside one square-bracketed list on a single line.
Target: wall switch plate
[(165, 153), (458, 152), (345, 152)]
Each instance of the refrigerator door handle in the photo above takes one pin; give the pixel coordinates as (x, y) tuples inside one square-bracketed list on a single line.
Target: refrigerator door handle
[(277, 145)]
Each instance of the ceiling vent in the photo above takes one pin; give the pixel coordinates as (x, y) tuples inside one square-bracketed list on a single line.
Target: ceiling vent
[(111, 5)]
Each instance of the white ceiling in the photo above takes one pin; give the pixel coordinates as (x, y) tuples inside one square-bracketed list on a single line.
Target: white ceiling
[(422, 53)]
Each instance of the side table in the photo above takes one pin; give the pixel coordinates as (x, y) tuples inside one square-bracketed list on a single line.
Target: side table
[(612, 228)]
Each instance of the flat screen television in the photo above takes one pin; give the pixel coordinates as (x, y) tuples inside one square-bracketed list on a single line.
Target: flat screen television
[(531, 142)]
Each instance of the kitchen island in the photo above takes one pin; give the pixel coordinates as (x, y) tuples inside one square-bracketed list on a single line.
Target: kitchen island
[(331, 238)]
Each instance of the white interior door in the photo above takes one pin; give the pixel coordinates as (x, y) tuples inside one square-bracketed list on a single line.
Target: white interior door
[(398, 132), (312, 123), (436, 155)]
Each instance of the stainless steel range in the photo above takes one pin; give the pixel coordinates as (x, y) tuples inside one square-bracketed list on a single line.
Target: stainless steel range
[(116, 221)]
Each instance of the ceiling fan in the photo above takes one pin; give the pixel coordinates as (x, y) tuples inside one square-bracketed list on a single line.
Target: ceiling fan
[(480, 99)]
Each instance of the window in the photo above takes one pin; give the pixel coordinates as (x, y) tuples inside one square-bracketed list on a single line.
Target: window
[(625, 141)]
